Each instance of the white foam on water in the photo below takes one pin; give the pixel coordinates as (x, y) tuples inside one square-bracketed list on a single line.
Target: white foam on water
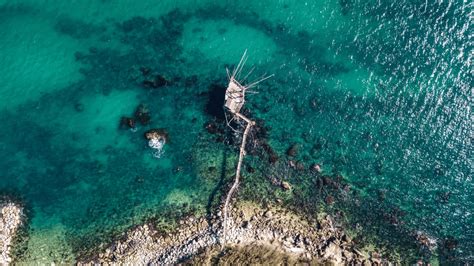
[(157, 145)]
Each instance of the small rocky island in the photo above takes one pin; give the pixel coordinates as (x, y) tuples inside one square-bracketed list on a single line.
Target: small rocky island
[(10, 221)]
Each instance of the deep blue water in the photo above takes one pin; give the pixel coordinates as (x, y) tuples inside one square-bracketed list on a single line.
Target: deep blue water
[(377, 92)]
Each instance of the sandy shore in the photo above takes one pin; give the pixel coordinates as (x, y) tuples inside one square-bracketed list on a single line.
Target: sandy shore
[(10, 220), (274, 229)]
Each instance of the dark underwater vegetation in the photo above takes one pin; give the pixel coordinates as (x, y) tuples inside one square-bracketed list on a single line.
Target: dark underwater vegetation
[(378, 93)]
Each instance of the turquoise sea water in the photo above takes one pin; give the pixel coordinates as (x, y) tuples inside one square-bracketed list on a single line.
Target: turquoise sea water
[(377, 92)]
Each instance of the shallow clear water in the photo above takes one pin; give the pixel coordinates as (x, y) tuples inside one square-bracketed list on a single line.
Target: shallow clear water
[(377, 91)]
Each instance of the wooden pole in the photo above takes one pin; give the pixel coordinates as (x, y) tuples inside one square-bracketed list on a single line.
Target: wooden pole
[(250, 123), (234, 101)]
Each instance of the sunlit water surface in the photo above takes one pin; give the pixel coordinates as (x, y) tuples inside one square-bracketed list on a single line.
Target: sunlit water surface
[(377, 91)]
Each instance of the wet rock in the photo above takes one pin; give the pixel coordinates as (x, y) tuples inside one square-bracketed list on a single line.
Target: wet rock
[(157, 82), (274, 181), (212, 127), (145, 71), (292, 164), (293, 150), (348, 255), (139, 179), (142, 114), (260, 130), (268, 214), (346, 188), (425, 240), (272, 156), (367, 263), (160, 81), (127, 122), (285, 185), (381, 193), (450, 243), (329, 200), (299, 166), (314, 104), (316, 168), (375, 258), (327, 181), (157, 134), (191, 81), (346, 238), (250, 169), (177, 169), (333, 252)]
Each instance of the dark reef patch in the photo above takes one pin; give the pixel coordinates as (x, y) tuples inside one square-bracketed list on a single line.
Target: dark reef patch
[(78, 29)]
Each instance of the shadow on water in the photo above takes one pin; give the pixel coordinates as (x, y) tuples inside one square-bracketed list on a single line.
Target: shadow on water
[(211, 204)]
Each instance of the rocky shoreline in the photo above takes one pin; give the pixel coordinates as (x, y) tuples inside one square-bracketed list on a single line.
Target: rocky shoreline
[(274, 228), (10, 221)]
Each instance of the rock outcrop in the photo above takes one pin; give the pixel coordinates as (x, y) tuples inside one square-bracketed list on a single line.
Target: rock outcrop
[(249, 226), (159, 135), (10, 220), (157, 139)]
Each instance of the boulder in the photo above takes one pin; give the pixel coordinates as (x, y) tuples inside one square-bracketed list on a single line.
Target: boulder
[(157, 138), (127, 122), (268, 214), (333, 253), (316, 168), (157, 82), (293, 150), (285, 185), (10, 220)]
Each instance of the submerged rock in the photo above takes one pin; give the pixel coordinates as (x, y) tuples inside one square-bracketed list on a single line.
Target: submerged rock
[(268, 214), (212, 128), (329, 200), (450, 243), (190, 81), (316, 168), (157, 82), (145, 70), (142, 114), (293, 150), (285, 185), (333, 253), (426, 240), (272, 156), (127, 122)]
